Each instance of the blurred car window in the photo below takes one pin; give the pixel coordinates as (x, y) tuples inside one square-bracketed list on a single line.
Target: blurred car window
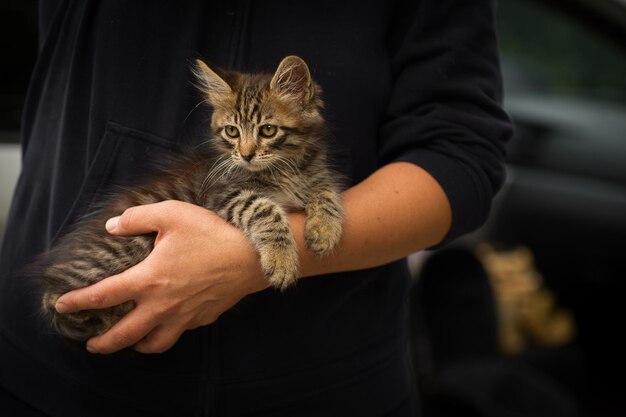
[(545, 50), (564, 66)]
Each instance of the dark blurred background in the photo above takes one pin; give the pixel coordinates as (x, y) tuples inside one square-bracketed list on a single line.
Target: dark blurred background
[(18, 52), (524, 317)]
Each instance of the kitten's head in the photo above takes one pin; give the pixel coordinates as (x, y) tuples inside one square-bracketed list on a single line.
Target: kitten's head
[(264, 120)]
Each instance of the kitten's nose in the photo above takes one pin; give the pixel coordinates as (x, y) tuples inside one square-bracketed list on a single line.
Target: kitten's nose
[(248, 157)]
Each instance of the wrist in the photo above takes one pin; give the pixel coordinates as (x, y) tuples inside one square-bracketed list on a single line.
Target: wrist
[(310, 264)]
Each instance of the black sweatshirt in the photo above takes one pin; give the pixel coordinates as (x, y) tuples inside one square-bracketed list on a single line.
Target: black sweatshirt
[(413, 81)]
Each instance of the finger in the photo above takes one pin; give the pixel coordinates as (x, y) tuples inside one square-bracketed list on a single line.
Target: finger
[(159, 340), (128, 331), (142, 219), (109, 292)]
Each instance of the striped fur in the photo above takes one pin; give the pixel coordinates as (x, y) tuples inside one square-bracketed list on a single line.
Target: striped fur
[(276, 163)]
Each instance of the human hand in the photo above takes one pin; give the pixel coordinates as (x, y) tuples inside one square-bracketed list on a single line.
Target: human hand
[(200, 267)]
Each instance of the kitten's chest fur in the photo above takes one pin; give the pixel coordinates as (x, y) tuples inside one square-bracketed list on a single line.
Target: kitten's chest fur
[(289, 196), (290, 189)]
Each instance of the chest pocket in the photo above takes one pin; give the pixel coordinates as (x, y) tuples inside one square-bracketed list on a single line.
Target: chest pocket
[(123, 156)]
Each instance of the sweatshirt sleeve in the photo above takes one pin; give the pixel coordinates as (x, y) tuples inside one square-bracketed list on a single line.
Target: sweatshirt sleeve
[(445, 111)]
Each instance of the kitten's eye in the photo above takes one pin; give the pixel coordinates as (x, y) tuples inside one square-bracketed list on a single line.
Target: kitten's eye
[(267, 131), (231, 131)]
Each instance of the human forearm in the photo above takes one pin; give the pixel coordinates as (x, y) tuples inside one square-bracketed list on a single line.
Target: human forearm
[(398, 210)]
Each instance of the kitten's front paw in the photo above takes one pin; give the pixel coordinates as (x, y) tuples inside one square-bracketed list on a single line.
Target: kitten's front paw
[(322, 233), (280, 265)]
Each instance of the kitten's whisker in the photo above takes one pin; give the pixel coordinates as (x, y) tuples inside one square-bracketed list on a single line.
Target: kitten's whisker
[(229, 170), (281, 171), (214, 173), (276, 168), (193, 109), (288, 164), (225, 169), (215, 168), (273, 173)]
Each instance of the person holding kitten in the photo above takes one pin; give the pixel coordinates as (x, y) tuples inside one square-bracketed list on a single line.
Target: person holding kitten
[(412, 102)]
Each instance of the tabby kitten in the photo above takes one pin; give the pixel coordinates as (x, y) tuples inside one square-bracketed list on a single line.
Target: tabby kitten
[(266, 157)]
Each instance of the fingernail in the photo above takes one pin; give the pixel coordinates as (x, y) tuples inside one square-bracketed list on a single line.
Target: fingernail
[(111, 224), (61, 307), (91, 350)]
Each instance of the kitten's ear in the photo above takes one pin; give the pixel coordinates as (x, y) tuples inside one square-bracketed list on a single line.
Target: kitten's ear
[(293, 79), (210, 82)]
